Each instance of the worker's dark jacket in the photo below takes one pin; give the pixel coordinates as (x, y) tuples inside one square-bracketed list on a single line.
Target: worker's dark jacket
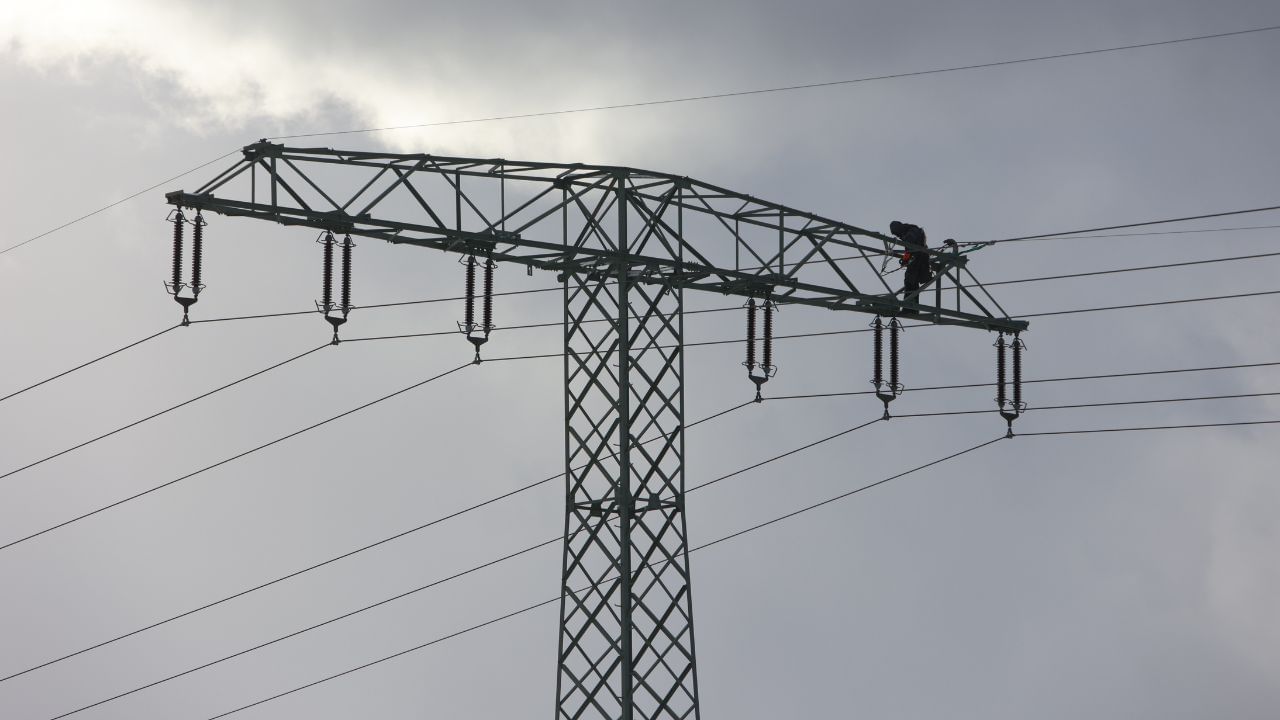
[(918, 270), (917, 261)]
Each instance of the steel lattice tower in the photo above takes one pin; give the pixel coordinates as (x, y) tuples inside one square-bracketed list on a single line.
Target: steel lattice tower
[(619, 240)]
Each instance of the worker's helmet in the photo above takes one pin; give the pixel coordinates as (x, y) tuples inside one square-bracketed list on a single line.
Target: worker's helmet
[(897, 228)]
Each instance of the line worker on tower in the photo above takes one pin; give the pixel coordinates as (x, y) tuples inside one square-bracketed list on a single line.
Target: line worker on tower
[(918, 272)]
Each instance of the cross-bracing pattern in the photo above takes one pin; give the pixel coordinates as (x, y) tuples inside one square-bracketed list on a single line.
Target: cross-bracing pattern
[(626, 641)]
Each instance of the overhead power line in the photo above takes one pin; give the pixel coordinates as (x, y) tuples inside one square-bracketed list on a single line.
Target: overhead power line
[(1148, 234), (784, 397), (263, 446), (1076, 406), (700, 98), (402, 303), (1090, 431), (713, 416), (441, 581), (1143, 223), (1073, 378), (343, 556), (550, 355), (1140, 268), (189, 401), (778, 89), (717, 541), (428, 586), (255, 317), (846, 494), (964, 385), (296, 633), (549, 541), (667, 101), (824, 333), (122, 200), (383, 659), (1159, 303), (165, 411), (83, 365), (557, 598)]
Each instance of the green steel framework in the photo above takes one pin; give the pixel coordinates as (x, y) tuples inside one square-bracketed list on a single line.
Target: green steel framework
[(625, 243)]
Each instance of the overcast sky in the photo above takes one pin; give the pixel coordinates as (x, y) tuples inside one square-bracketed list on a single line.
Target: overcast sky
[(1119, 575)]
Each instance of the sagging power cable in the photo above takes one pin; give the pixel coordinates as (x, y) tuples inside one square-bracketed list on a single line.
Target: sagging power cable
[(343, 556), (436, 583), (233, 458), (690, 425), (647, 103), (1102, 404), (401, 303), (1124, 226), (430, 585), (121, 201), (165, 411), (1141, 268), (1154, 233), (785, 88), (98, 359), (1190, 426), (726, 538), (557, 598), (156, 414), (1073, 378), (687, 345)]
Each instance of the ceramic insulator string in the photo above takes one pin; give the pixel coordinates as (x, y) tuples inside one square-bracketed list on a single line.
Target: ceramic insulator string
[(197, 252), (469, 311), (488, 295), (178, 221), (326, 290), (346, 274), (894, 328), (767, 357), (877, 349), (1000, 378), (1017, 373), (751, 334)]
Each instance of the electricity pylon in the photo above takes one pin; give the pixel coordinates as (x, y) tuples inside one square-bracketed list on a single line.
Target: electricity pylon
[(626, 244)]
